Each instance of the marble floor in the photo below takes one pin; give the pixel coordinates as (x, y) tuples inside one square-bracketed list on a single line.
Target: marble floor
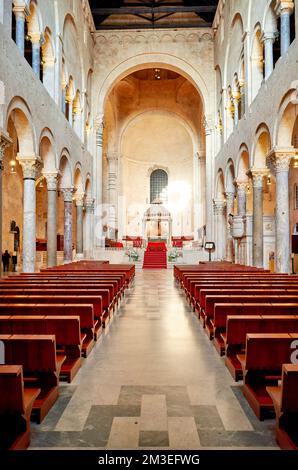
[(153, 381)]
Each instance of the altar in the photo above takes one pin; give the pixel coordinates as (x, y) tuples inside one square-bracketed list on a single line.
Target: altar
[(157, 224)]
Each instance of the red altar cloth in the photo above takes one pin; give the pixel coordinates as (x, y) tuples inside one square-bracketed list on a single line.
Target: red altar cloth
[(156, 246)]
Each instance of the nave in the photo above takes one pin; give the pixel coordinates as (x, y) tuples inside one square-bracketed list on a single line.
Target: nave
[(153, 380)]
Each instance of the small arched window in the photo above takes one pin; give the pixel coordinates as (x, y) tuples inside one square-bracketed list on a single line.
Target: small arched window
[(158, 186)]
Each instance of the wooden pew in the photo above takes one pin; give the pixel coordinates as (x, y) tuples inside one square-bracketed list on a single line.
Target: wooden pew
[(222, 311), (59, 299), (15, 408), (83, 311), (262, 367), (66, 330), (237, 327), (103, 291), (211, 301), (285, 403), (41, 367)]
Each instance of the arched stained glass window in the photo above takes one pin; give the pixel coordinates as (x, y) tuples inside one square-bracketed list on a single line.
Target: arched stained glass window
[(158, 186)]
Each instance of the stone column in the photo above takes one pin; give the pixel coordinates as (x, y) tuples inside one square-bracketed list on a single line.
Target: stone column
[(219, 207), (52, 183), (30, 165), (236, 97), (268, 39), (97, 181), (79, 200), (113, 194), (35, 40), (5, 141), (89, 205), (280, 160), (284, 9), (230, 210), (20, 14), (242, 96), (257, 183), (68, 194), (209, 162), (241, 197)]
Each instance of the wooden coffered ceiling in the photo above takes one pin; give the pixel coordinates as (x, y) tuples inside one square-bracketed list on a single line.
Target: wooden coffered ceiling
[(142, 14)]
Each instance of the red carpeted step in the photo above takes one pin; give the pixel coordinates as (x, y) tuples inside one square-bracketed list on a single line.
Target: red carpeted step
[(155, 260)]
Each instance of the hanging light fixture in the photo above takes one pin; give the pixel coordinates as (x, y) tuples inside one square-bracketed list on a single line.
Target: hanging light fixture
[(12, 165)]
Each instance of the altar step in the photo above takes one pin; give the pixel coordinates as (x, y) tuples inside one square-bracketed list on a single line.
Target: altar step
[(155, 260)]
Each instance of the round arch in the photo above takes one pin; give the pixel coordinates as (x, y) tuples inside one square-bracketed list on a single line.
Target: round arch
[(242, 163), (47, 150), (65, 169), (20, 113), (164, 112), (285, 121), (144, 61), (220, 185), (261, 146), (229, 177)]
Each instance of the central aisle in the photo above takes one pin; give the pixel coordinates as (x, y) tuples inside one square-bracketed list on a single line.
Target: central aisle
[(154, 380)]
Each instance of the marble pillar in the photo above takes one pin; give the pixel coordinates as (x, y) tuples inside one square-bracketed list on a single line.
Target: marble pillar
[(284, 9), (257, 183), (219, 207), (88, 240), (242, 96), (20, 13), (113, 195), (98, 238), (79, 200), (268, 39), (236, 98), (230, 211), (35, 40), (209, 166), (68, 195), (30, 167), (279, 160), (241, 198), (52, 182), (5, 141)]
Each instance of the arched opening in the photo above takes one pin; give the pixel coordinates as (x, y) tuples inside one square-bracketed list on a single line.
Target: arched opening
[(65, 210), (257, 63), (48, 63), (158, 186), (153, 118)]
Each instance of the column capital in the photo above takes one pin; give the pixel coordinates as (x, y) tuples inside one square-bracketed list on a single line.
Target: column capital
[(99, 122), (219, 206), (269, 36), (35, 37), (283, 7), (68, 193), (52, 179), (279, 159), (208, 125), (89, 204), (229, 195), (241, 185), (5, 141), (30, 164), (79, 199), (20, 10), (112, 157), (258, 176)]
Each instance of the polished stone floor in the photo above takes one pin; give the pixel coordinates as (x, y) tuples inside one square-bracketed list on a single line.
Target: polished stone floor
[(154, 380)]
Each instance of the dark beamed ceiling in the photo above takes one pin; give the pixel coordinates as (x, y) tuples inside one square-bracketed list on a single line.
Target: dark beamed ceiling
[(142, 14)]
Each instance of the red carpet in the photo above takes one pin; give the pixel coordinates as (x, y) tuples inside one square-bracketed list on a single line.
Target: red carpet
[(155, 260)]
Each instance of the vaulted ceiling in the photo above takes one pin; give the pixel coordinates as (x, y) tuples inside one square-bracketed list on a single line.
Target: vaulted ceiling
[(143, 14)]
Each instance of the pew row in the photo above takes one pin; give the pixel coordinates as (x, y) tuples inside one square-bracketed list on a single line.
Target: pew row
[(66, 330), (16, 404), (41, 367)]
